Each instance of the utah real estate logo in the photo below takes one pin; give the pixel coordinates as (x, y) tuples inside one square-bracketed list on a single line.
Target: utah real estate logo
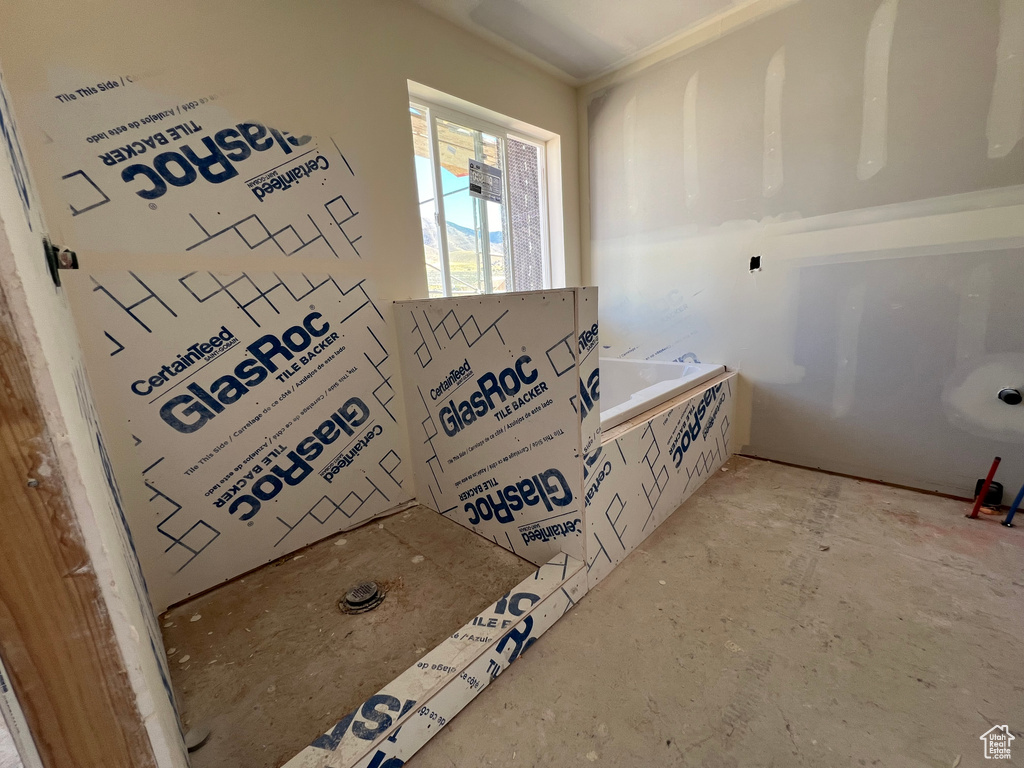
[(997, 742)]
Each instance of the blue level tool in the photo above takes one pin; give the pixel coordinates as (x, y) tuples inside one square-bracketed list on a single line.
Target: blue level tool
[(1008, 522)]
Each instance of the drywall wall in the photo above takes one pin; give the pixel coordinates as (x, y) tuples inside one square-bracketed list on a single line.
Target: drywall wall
[(869, 152), (41, 314)]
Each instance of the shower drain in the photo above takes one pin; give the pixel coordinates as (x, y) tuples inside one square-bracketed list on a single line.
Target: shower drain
[(363, 597)]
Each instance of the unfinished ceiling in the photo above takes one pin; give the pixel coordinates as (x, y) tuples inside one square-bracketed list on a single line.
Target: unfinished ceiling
[(580, 38)]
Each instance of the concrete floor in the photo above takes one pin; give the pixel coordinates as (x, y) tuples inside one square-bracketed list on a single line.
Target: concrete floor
[(269, 662), (782, 617)]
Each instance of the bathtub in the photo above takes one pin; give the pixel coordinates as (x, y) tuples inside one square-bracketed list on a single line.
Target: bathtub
[(630, 387)]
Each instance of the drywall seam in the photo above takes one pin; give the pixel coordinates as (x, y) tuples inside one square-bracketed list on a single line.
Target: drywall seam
[(958, 203), (874, 126), (771, 166), (521, 56), (861, 236), (583, 182), (962, 228), (691, 178), (629, 155), (851, 312), (1005, 125)]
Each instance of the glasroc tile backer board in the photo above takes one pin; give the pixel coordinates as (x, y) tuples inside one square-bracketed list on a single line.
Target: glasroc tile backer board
[(588, 399), (644, 470), (276, 433), (491, 384), (149, 172), (260, 409), (634, 480), (145, 171), (388, 728)]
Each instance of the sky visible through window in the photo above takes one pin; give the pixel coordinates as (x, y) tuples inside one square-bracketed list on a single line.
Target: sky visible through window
[(457, 208), (465, 238)]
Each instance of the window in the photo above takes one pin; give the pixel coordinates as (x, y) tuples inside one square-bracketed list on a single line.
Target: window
[(472, 245)]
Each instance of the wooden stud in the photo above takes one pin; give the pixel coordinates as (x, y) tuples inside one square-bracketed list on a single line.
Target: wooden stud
[(56, 637)]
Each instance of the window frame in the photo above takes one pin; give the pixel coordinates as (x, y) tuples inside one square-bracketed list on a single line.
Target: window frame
[(434, 111)]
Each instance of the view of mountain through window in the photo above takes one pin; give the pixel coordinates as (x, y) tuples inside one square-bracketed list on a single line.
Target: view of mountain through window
[(471, 245)]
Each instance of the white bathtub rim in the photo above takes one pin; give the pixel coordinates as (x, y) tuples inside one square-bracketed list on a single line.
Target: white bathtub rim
[(651, 397)]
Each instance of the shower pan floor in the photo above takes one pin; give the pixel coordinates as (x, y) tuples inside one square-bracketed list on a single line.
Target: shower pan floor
[(272, 662)]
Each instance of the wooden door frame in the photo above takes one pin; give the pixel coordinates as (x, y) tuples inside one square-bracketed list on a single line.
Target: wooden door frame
[(56, 636)]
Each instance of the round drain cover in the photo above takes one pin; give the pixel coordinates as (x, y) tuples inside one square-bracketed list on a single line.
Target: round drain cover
[(362, 597), (196, 736)]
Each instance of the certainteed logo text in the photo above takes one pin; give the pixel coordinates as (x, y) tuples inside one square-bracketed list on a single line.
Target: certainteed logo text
[(188, 413), (455, 377), (201, 351)]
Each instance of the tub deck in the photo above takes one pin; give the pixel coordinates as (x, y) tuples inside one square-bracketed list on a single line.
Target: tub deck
[(631, 387), (642, 418)]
